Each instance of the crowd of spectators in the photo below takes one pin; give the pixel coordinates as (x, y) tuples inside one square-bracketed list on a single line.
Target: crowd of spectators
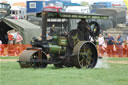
[(113, 46)]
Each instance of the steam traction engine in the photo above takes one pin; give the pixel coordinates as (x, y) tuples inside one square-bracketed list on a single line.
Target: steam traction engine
[(66, 48)]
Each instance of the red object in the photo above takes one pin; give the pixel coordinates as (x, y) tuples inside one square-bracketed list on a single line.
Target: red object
[(116, 4), (10, 37), (52, 8)]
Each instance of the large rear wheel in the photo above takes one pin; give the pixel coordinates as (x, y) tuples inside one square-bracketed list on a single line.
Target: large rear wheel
[(84, 55)]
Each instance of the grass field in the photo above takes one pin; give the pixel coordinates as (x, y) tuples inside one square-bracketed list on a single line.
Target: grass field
[(115, 74)]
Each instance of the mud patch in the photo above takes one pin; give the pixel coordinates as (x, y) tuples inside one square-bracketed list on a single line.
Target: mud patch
[(8, 60), (116, 62)]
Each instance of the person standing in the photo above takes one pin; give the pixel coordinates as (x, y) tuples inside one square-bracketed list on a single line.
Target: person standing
[(10, 38), (14, 33), (10, 44), (101, 42), (110, 47), (18, 38), (119, 46)]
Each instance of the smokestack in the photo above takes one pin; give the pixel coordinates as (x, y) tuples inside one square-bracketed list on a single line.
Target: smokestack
[(44, 25)]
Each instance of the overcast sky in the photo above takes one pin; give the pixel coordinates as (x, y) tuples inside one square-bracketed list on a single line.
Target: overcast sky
[(75, 1)]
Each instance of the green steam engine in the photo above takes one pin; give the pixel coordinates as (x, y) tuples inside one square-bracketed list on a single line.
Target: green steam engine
[(64, 47)]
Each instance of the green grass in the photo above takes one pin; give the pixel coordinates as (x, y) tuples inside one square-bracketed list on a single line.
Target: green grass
[(12, 74)]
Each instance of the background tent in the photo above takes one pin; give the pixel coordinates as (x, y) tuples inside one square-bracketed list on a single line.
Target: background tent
[(26, 29)]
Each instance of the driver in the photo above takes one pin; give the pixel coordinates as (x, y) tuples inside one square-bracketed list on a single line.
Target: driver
[(83, 26), (52, 30)]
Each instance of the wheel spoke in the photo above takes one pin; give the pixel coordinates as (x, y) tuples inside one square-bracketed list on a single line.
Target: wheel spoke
[(88, 59), (81, 62)]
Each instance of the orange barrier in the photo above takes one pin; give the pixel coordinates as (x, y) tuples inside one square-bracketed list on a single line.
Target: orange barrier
[(113, 51), (12, 50), (109, 51)]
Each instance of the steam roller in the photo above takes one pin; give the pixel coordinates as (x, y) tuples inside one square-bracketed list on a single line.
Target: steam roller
[(66, 47)]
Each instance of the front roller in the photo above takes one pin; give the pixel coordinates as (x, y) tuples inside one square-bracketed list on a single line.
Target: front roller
[(32, 58), (84, 55)]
